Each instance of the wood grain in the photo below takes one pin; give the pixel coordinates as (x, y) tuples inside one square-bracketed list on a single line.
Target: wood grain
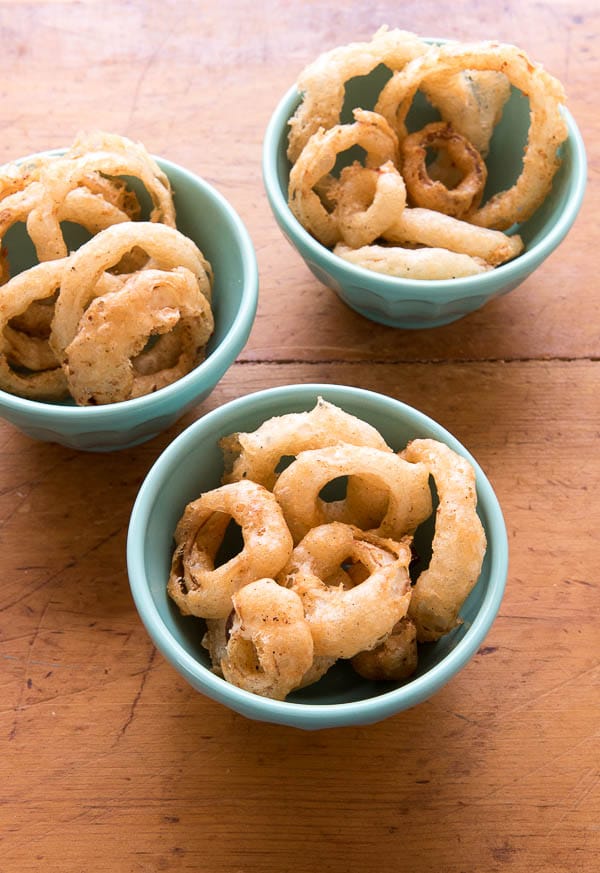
[(109, 761)]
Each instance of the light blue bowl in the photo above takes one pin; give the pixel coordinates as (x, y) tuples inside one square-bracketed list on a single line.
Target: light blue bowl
[(192, 463), (206, 217), (407, 303)]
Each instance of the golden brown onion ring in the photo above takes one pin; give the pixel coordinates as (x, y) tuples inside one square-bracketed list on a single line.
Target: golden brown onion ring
[(323, 82), (195, 584), (36, 284), (459, 200), (472, 101), (298, 486), (346, 621), (114, 155), (270, 648), (369, 130), (42, 214), (256, 455), (435, 230), (396, 658), (167, 247), (368, 202), (428, 263), (459, 541), (116, 327)]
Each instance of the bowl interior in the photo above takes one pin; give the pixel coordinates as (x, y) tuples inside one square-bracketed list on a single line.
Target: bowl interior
[(193, 463), (202, 215)]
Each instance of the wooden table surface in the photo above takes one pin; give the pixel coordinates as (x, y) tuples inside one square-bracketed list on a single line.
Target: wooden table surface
[(109, 760)]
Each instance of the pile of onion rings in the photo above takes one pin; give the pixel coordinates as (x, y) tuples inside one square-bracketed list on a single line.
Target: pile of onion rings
[(127, 312), (398, 211), (321, 580)]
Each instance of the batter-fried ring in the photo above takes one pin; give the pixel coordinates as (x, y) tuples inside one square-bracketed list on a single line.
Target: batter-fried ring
[(346, 621), (462, 198), (368, 202), (323, 82), (369, 130), (459, 541), (195, 584), (270, 647), (116, 327), (433, 229), (299, 485), (25, 334), (547, 128), (42, 214), (167, 247), (114, 156), (472, 101), (215, 641), (36, 284), (256, 455)]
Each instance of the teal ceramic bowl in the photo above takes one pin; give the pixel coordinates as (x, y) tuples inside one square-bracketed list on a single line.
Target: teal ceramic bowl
[(406, 303), (206, 217), (192, 463)]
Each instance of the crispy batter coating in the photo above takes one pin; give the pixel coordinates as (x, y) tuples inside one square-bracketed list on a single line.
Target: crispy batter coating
[(256, 455)]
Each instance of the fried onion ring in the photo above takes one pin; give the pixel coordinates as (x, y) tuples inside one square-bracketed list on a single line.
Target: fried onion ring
[(547, 128), (30, 286), (270, 646), (369, 130), (167, 247), (368, 202), (344, 621), (472, 101), (215, 641), (114, 155), (195, 583), (42, 214), (459, 541), (298, 486), (116, 327), (433, 229), (463, 198), (256, 455), (322, 83)]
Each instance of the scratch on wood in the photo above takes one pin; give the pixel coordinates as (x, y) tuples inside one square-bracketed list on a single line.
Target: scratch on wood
[(134, 702)]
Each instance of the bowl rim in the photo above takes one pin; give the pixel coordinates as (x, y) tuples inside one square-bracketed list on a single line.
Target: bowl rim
[(209, 370), (388, 287), (292, 713)]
